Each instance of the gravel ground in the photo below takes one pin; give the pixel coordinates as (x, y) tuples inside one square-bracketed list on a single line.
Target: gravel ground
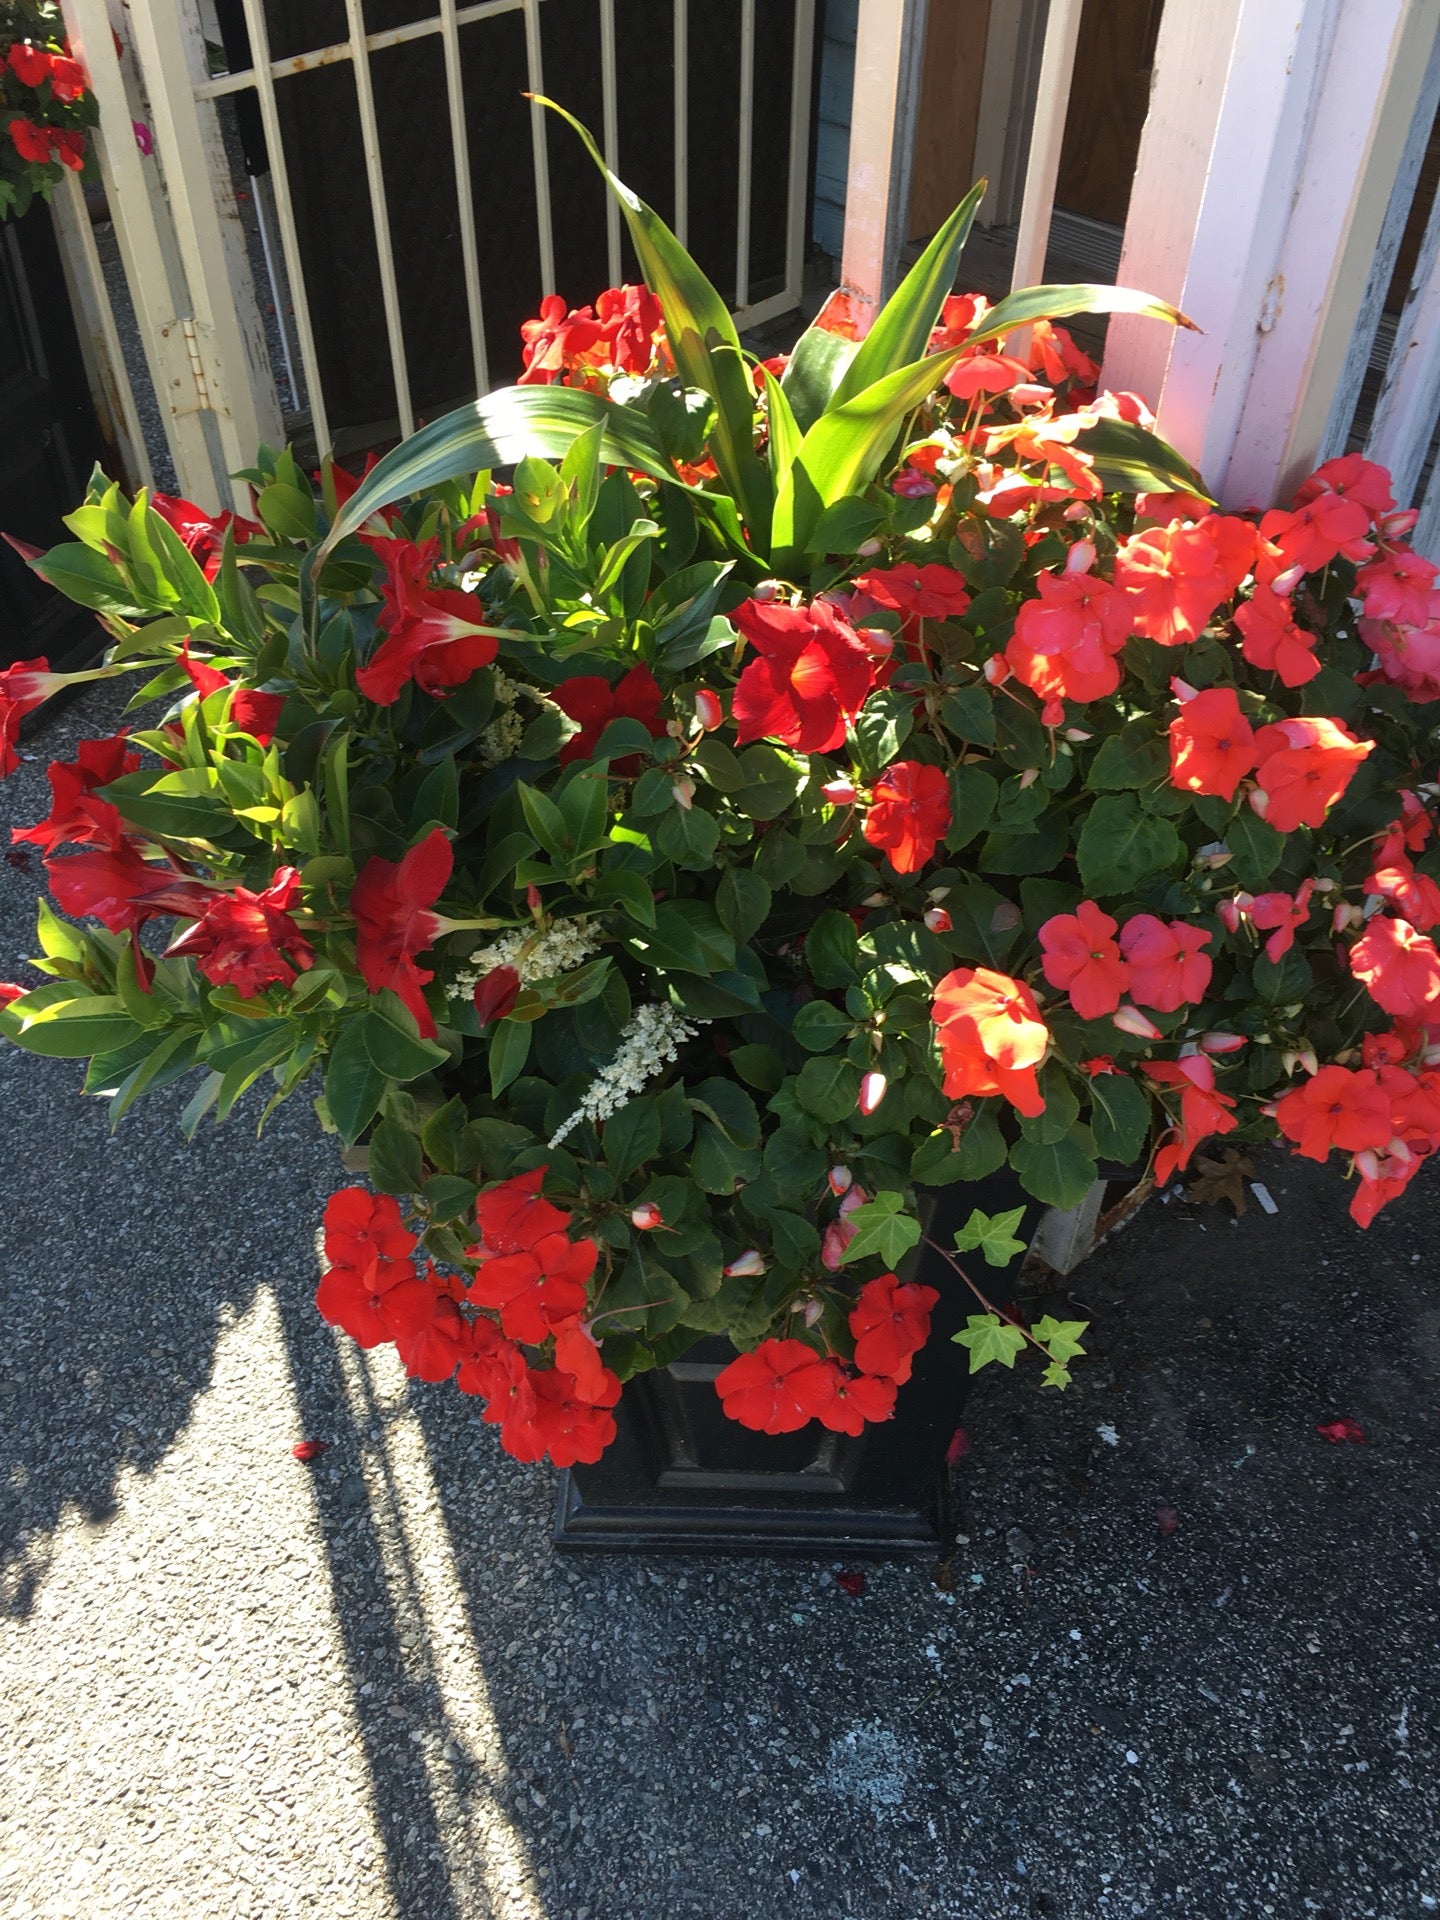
[(234, 1686)]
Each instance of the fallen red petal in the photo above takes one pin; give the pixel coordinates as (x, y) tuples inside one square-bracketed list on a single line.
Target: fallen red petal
[(1167, 1519), (1337, 1431), (958, 1448), (309, 1450), (851, 1583)]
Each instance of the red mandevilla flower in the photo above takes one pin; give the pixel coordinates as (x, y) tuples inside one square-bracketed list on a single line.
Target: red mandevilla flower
[(431, 634), (77, 815), (391, 902), (811, 679), (22, 690), (909, 813), (592, 701), (248, 940)]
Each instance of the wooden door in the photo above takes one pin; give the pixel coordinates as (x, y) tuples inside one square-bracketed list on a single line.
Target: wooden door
[(1109, 98)]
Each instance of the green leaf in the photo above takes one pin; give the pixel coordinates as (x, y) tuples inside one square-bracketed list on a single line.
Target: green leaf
[(509, 1050), (1135, 757), (884, 1227), (1062, 1108), (196, 595), (828, 1087), (1131, 459), (832, 950), (1120, 846), (1060, 1173), (973, 794), (73, 1029), (819, 1026), (354, 1085), (730, 1107), (545, 821), (993, 1234), (1119, 1117), (396, 1162), (742, 901), (1256, 849), (448, 1196), (970, 715), (901, 330), (717, 1165), (990, 1338), (1027, 304), (288, 512), (393, 1039), (184, 805), (1060, 1338), (629, 891), (817, 364), (631, 1136), (501, 429), (89, 579)]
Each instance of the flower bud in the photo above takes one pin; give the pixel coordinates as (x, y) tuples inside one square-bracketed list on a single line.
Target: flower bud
[(1130, 1020), (839, 792), (1395, 526), (1182, 689), (1345, 916), (876, 900), (708, 710), (1259, 801), (814, 1309), (839, 1178), (767, 590), (747, 1266), (1222, 1042), (646, 1217), (997, 669), (532, 898), (872, 1091), (1029, 393), (1287, 582), (868, 549), (1367, 1164), (1077, 734), (684, 792), (1081, 557), (1029, 777), (878, 642), (1199, 1070), (938, 920)]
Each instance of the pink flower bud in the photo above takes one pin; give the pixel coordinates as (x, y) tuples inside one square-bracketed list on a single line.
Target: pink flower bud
[(997, 669), (1259, 801), (1223, 1042), (708, 710), (1367, 1164), (839, 792), (814, 1310), (1029, 394), (1182, 689), (684, 792), (872, 1091), (1076, 734), (1287, 582), (767, 590), (1130, 1020), (1346, 916), (868, 549), (646, 1217), (1233, 911), (1081, 557), (1395, 526), (1029, 777), (748, 1266), (532, 898), (938, 920), (1199, 1070), (840, 1179)]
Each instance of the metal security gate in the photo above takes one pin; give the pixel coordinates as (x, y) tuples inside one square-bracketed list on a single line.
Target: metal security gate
[(733, 116)]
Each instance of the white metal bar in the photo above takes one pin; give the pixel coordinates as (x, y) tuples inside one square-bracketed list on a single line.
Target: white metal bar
[(611, 133), (535, 69), (747, 141), (260, 191), (264, 78), (1382, 268), (682, 120), (464, 192), (227, 332), (375, 174), (1405, 413), (100, 347), (801, 63), (223, 83), (1057, 67), (147, 245)]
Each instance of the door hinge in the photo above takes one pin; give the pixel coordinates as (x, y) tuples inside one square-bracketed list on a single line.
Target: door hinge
[(187, 382)]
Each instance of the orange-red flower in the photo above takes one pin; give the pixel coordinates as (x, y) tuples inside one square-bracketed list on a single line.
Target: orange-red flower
[(1204, 1110), (811, 679), (1336, 1107), (249, 940), (891, 1322), (1353, 477), (1283, 915), (1174, 577), (1304, 767), (1064, 644), (1323, 529), (933, 592), (1271, 640), (77, 814), (1212, 746), (1399, 968), (1081, 958), (1168, 970), (758, 1389), (909, 813), (992, 1039)]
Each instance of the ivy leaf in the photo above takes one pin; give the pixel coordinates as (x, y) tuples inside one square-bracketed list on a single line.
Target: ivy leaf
[(989, 1338), (1060, 1338), (993, 1235), (883, 1227), (1055, 1375)]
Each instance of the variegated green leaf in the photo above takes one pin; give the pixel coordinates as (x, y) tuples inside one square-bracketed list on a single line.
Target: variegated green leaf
[(1028, 304)]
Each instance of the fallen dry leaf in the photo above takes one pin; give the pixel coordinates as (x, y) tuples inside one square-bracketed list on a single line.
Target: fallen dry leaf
[(1220, 1177)]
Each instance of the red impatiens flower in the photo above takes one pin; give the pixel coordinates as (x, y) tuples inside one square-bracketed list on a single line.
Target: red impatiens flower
[(248, 940), (1414, 895), (1399, 968), (431, 1334), (631, 322), (931, 592), (992, 1038), (1064, 644), (76, 813), (1175, 577), (1271, 640), (432, 634), (1204, 1110), (1304, 767), (116, 887), (1319, 531), (1168, 970), (811, 679), (1212, 746), (985, 373), (23, 687), (891, 1322), (590, 699), (369, 1250), (841, 1400), (909, 813), (30, 64), (67, 78), (391, 901), (1398, 585), (1082, 959), (1336, 1107), (1355, 478), (758, 1389), (537, 1288), (1284, 914), (32, 143), (513, 1217), (556, 338), (571, 1428)]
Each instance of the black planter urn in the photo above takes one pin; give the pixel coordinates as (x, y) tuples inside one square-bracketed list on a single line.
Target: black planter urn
[(681, 1477)]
